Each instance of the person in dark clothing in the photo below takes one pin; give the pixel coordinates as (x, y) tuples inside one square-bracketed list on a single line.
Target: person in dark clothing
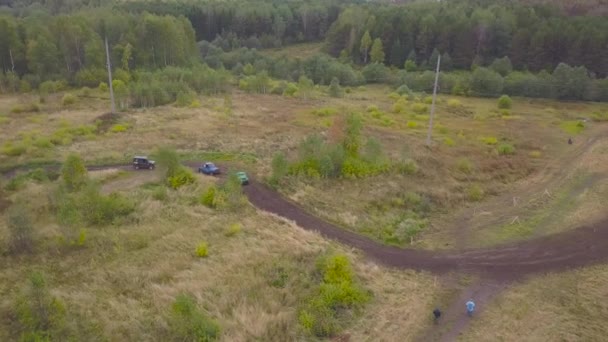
[(569, 141), (436, 314)]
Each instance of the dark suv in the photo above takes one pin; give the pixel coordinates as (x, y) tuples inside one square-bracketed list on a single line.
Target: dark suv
[(142, 162)]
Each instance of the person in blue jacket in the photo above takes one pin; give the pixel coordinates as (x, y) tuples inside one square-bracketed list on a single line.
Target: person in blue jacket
[(470, 307)]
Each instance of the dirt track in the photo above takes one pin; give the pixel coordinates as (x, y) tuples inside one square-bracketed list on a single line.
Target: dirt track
[(579, 247)]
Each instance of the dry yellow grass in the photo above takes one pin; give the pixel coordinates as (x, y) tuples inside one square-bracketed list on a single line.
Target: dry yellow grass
[(557, 307)]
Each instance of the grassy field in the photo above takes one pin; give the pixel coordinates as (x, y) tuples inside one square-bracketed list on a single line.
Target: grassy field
[(121, 280)]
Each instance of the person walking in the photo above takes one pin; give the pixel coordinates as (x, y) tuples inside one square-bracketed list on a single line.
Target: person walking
[(436, 314), (470, 307), (569, 141)]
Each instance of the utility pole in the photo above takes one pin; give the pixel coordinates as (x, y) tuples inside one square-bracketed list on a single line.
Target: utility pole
[(110, 77), (428, 137)]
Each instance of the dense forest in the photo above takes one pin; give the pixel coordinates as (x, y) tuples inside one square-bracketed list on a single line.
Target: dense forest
[(487, 47)]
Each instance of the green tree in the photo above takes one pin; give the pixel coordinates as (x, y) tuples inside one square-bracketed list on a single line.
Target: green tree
[(433, 59), (377, 53), (352, 135), (446, 62), (502, 66), (397, 57), (74, 173), (334, 88), (305, 87), (571, 83), (486, 82), (127, 56), (366, 43)]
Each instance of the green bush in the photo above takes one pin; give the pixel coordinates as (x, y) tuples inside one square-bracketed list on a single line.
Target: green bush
[(25, 108), (13, 149), (280, 167), (406, 167), (291, 89), (475, 193), (505, 149), (449, 141), (454, 103), (324, 112), (188, 323), (208, 197), (39, 175), (464, 165), (43, 142), (20, 229), (195, 104), (202, 250), (400, 106), (337, 295), (489, 140), (233, 229), (394, 96), (183, 176), (505, 102), (160, 194), (428, 100), (103, 87), (599, 116), (41, 316), (118, 128), (185, 98), (68, 99), (535, 154), (403, 90), (412, 124), (420, 108), (74, 173), (407, 229)]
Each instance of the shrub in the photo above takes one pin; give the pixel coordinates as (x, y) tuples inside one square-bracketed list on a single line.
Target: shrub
[(185, 98), (400, 106), (324, 112), (412, 124), (290, 90), (74, 173), (208, 197), (43, 142), (183, 176), (280, 167), (489, 140), (428, 100), (464, 165), (337, 294), (233, 229), (41, 316), (20, 228), (449, 141), (103, 86), (25, 108), (535, 154), (118, 128), (160, 194), (403, 90), (189, 323), (505, 149), (406, 167), (202, 250), (420, 108), (13, 150), (394, 96), (85, 91), (454, 103), (475, 193), (505, 102), (334, 88), (407, 229), (195, 104), (68, 99), (599, 116)]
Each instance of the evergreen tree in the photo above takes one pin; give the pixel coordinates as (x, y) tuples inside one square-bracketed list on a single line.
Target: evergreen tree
[(446, 62), (397, 55), (433, 59)]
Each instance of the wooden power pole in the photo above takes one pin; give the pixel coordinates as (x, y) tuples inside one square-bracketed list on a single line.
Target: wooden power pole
[(113, 108), (428, 137)]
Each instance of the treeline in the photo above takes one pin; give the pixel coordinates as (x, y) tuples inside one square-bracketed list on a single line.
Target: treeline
[(253, 24), (564, 82), (471, 32), (71, 47)]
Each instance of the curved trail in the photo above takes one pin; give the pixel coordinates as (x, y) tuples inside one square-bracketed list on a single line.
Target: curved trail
[(579, 247)]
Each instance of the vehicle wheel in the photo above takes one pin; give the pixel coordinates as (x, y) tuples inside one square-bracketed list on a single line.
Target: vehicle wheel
[(136, 167)]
